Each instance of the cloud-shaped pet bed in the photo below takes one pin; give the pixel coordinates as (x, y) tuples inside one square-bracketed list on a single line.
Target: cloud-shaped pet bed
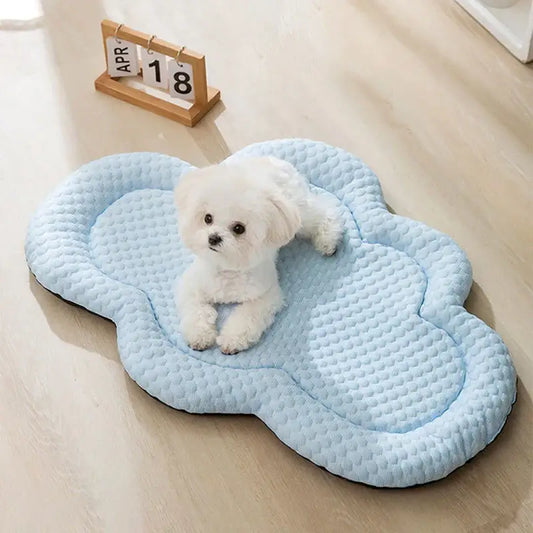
[(374, 370)]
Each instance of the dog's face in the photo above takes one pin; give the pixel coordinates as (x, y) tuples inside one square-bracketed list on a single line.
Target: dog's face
[(233, 214)]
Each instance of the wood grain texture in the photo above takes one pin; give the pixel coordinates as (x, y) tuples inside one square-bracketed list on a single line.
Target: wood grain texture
[(425, 96)]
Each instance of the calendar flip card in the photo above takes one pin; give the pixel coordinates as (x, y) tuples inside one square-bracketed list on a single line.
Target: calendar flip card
[(122, 58), (186, 80), (155, 72), (181, 80)]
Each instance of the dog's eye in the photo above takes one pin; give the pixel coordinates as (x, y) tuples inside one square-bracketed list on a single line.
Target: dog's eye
[(208, 219), (238, 229)]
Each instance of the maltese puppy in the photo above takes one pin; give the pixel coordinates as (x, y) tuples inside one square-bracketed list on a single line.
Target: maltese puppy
[(235, 217)]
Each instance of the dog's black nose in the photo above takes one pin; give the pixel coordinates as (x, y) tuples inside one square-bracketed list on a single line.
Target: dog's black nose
[(214, 239)]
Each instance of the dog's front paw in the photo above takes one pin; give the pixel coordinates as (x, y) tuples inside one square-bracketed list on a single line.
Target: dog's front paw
[(201, 337), (232, 344)]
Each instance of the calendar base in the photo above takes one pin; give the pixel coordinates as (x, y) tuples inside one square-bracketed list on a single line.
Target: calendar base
[(108, 85)]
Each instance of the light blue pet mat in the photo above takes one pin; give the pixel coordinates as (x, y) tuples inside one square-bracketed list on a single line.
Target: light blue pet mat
[(374, 370)]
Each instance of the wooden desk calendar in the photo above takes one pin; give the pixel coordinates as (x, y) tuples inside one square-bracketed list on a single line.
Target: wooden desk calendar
[(184, 66)]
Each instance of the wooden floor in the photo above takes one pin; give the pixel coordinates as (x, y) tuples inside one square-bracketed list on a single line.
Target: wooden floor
[(425, 96)]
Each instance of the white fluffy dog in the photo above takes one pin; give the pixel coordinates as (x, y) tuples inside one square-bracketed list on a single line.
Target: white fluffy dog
[(235, 217)]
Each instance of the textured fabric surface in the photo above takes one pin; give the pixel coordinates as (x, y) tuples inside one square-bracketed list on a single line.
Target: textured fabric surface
[(374, 369)]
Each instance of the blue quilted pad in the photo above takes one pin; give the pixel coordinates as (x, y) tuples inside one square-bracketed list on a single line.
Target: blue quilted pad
[(374, 369)]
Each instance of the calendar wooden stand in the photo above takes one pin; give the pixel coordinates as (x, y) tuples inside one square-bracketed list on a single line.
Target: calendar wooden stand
[(204, 97)]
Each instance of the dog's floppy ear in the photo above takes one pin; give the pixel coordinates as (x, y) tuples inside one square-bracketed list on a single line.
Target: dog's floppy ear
[(184, 188), (284, 219)]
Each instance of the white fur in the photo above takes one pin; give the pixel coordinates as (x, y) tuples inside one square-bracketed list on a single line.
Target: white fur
[(273, 202)]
